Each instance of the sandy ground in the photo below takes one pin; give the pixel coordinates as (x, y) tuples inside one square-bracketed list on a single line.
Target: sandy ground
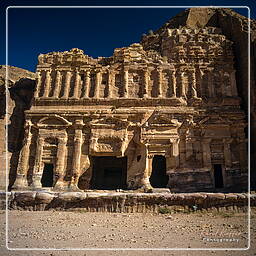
[(53, 229)]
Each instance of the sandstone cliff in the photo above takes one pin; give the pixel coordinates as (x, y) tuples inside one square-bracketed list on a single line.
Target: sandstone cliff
[(21, 84)]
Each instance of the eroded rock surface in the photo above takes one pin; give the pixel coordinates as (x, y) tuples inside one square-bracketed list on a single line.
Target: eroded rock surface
[(20, 84)]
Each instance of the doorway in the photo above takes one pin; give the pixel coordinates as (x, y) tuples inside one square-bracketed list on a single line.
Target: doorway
[(47, 177), (158, 178), (218, 177), (109, 172)]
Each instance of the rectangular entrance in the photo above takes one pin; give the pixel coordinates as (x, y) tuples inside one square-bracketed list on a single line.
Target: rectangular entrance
[(218, 177), (158, 178), (109, 172), (47, 177)]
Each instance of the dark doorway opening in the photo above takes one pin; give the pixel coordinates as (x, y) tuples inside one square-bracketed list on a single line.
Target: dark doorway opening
[(109, 172), (47, 177), (218, 177), (158, 178)]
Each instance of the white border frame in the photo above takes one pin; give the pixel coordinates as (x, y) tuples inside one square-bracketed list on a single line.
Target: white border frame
[(128, 249)]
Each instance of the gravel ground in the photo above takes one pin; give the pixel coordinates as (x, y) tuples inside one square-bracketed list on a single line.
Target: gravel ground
[(53, 229)]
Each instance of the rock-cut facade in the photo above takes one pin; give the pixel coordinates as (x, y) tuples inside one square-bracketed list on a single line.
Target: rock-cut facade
[(162, 113)]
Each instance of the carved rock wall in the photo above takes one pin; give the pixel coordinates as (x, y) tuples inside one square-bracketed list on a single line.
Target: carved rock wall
[(174, 95), (20, 84)]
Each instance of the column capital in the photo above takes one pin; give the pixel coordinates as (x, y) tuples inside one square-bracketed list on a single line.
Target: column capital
[(174, 140), (111, 71), (126, 69), (62, 140), (78, 124), (48, 72)]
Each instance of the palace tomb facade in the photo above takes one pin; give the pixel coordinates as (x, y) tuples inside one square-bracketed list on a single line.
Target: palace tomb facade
[(162, 113)]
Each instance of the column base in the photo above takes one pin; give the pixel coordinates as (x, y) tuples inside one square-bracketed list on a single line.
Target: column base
[(146, 188), (74, 187), (20, 183), (36, 184), (60, 186)]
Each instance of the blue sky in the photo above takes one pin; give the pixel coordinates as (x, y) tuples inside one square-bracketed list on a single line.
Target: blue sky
[(32, 31)]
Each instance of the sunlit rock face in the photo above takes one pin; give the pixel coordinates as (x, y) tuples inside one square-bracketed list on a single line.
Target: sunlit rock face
[(16, 89), (162, 113)]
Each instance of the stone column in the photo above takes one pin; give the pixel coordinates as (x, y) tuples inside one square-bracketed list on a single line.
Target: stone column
[(39, 84), (67, 85), (201, 76), (111, 81), (242, 152), (77, 150), (222, 83), (198, 151), (47, 84), (23, 164), (37, 172), (145, 76), (227, 85), (77, 83), (160, 82), (175, 151), (182, 153), (174, 84), (182, 84), (193, 84), (189, 148), (227, 152), (233, 83), (60, 163), (149, 164), (87, 84), (126, 83), (206, 152), (97, 84), (145, 183), (57, 84)]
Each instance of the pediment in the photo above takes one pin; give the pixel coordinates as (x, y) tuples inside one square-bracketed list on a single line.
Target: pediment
[(110, 121), (53, 121), (163, 120)]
